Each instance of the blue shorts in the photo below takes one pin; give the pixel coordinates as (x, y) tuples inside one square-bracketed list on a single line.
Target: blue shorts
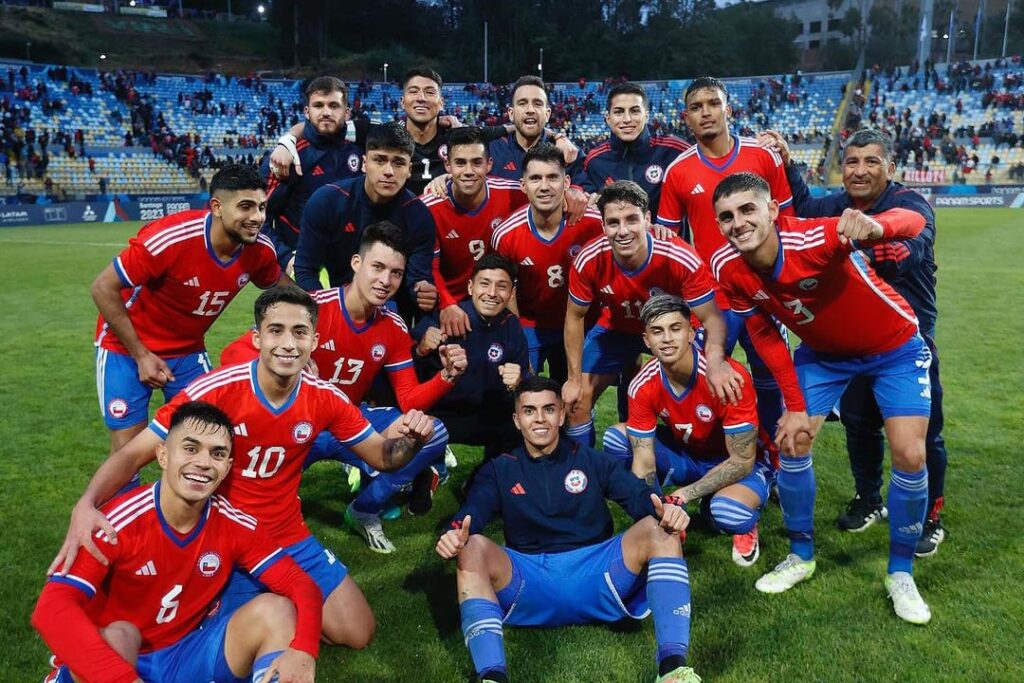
[(124, 400), (327, 447), (901, 384), (572, 587), (545, 346), (199, 656), (677, 468), (326, 570), (607, 352)]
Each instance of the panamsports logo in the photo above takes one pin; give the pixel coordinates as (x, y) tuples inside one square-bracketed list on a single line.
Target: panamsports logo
[(301, 432), (576, 481), (653, 173), (242, 279), (495, 352), (377, 352), (704, 414), (353, 162), (208, 564), (808, 284), (118, 408)]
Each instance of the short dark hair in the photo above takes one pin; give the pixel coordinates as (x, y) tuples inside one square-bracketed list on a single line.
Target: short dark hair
[(627, 88), (546, 152), (741, 182), (663, 304), (468, 135), (623, 191), (390, 136), (284, 294), (327, 85), (705, 82), (536, 384), (495, 261), (236, 177), (203, 413), (871, 136), (529, 80), (386, 233), (422, 72)]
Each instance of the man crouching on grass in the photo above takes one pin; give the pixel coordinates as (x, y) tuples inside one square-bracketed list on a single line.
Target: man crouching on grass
[(551, 496)]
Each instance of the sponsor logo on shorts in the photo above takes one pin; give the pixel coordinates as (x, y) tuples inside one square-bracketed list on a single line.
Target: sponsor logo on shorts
[(118, 408), (654, 173), (301, 432), (704, 413), (495, 352), (377, 352), (576, 481), (243, 279), (208, 564)]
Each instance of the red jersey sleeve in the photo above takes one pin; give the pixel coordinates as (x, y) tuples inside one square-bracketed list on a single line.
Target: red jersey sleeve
[(345, 421), (161, 422), (136, 266), (643, 416), (775, 174), (741, 417), (268, 271), (698, 287), (670, 206), (773, 351), (581, 286), (240, 351)]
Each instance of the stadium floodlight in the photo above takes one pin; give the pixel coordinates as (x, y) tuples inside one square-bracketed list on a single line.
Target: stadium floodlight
[(103, 56), (261, 9), (385, 72)]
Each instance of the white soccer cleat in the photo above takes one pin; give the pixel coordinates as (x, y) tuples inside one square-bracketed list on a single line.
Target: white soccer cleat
[(450, 461), (906, 601), (786, 574), (746, 548), (369, 527)]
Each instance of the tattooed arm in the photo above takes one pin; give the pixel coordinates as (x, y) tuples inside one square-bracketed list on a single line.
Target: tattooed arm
[(414, 429), (644, 466), (742, 449)]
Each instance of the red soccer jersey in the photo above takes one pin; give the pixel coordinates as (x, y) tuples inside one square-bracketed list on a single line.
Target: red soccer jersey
[(159, 580), (671, 268), (543, 264), (822, 289), (350, 356), (698, 420), (175, 286), (464, 236), (271, 443), (691, 179)]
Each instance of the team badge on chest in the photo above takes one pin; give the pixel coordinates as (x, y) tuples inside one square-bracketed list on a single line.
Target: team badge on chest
[(301, 432), (377, 352), (208, 564), (576, 481), (704, 413)]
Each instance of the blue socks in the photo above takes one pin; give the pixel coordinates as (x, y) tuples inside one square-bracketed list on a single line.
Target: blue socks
[(908, 503), (732, 516), (481, 627), (374, 497), (797, 490), (668, 595), (260, 666), (583, 434)]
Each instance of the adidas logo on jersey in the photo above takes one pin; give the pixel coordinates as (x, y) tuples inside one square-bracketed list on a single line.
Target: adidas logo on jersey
[(452, 235), (510, 166), (607, 289), (761, 295), (328, 345), (318, 171), (698, 189), (518, 490), (148, 569), (194, 282), (240, 429), (526, 261), (350, 227)]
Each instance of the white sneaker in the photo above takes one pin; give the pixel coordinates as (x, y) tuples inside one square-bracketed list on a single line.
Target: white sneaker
[(906, 601), (369, 527), (786, 574), (450, 461)]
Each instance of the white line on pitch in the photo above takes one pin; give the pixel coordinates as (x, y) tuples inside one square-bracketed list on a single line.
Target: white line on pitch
[(16, 240)]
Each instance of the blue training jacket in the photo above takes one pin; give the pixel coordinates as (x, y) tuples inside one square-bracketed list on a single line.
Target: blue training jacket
[(912, 271), (554, 503), (508, 155)]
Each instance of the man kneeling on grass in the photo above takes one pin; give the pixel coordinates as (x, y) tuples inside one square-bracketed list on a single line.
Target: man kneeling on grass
[(551, 496)]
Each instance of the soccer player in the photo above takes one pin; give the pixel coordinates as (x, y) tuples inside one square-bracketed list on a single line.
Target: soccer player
[(632, 151), (561, 564), (812, 277), (618, 272), (337, 214), (476, 411), (142, 614), (163, 292), (278, 410), (473, 205), (542, 242), (529, 112), (909, 266), (686, 198), (322, 150), (707, 447)]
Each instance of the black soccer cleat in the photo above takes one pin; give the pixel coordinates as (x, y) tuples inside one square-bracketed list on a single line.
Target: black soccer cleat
[(860, 514)]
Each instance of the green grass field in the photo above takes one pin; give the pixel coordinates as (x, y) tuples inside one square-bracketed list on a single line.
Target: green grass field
[(837, 627)]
